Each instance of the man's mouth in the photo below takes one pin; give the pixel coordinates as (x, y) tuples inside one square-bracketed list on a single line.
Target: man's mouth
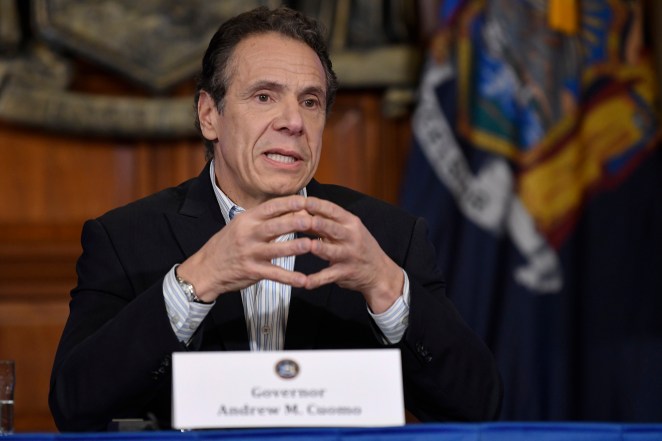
[(283, 159)]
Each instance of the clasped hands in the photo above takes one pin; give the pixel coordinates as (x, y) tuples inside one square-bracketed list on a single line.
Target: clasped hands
[(240, 254)]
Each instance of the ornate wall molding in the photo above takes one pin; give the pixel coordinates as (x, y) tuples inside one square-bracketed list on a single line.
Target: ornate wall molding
[(158, 44)]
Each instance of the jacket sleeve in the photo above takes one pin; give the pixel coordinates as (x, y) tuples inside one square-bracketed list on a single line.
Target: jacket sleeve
[(449, 373), (114, 353)]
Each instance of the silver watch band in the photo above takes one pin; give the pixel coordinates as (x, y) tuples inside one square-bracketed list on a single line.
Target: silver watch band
[(188, 288)]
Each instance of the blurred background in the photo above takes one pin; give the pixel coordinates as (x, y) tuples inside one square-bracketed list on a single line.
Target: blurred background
[(525, 131)]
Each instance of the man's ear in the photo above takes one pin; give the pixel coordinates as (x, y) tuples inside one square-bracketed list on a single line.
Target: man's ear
[(207, 114)]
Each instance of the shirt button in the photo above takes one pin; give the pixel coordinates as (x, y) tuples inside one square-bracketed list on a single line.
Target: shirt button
[(266, 329)]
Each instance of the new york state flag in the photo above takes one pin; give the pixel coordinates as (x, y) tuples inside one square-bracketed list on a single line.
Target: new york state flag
[(536, 161)]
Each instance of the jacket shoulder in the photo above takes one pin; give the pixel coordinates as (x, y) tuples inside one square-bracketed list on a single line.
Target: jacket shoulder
[(362, 204), (166, 200)]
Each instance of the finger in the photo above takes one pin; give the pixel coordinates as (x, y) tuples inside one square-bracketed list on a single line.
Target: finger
[(328, 229), (321, 207), (280, 275), (326, 250), (280, 206), (326, 276), (331, 221), (300, 221), (295, 247)]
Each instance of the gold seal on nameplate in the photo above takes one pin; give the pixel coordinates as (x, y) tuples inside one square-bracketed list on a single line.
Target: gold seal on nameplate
[(287, 369)]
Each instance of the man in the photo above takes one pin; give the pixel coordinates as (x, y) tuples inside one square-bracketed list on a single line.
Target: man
[(254, 254)]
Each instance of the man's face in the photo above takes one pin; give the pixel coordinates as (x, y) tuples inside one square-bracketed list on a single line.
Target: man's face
[(268, 136)]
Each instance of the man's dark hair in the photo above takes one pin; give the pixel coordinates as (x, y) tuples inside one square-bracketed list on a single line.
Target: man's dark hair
[(216, 70)]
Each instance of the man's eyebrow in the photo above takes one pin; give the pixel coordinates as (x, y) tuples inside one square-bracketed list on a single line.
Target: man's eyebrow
[(264, 85), (314, 90), (278, 87)]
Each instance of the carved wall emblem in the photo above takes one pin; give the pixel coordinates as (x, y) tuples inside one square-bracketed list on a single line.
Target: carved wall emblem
[(154, 42), (157, 44)]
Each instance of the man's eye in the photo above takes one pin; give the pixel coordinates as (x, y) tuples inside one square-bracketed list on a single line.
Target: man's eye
[(263, 98), (310, 103)]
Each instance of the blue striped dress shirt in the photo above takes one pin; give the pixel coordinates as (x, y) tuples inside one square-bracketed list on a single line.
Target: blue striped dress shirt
[(266, 303)]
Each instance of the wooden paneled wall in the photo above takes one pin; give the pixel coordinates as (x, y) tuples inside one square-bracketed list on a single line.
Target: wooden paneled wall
[(50, 183)]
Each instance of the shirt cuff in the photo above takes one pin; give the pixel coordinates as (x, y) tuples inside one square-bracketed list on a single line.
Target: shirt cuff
[(393, 322), (185, 316)]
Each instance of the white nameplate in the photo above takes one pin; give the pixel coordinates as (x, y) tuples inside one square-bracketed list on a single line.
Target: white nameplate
[(326, 388)]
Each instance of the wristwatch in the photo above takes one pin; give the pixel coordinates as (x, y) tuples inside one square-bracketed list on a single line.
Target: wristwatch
[(188, 289)]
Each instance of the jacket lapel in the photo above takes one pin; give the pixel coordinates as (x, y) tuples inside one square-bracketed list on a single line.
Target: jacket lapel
[(199, 216), (198, 219)]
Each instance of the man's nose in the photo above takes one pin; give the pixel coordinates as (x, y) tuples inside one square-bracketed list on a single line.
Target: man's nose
[(289, 118)]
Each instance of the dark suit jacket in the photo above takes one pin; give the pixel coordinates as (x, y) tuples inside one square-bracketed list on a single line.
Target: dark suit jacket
[(113, 360)]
